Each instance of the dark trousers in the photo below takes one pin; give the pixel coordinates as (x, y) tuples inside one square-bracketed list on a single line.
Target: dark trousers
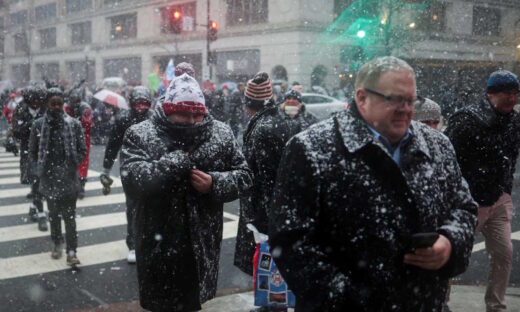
[(130, 221), (63, 207), (37, 196)]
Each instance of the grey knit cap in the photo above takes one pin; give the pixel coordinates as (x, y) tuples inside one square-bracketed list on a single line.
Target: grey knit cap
[(428, 110)]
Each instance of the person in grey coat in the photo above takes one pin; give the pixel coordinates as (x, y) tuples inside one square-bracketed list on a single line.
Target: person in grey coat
[(180, 166), (352, 191), (56, 148)]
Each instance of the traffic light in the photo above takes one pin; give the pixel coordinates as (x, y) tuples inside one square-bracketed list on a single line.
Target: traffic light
[(212, 30), (176, 21)]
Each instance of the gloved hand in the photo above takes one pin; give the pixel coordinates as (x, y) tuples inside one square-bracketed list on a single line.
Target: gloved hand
[(106, 181)]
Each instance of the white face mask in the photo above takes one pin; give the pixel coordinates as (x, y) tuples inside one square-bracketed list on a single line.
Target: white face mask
[(291, 110)]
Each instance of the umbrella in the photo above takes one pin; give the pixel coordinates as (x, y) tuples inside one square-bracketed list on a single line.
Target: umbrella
[(111, 98)]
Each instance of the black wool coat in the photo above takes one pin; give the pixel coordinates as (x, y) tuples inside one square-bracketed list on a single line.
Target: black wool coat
[(343, 213), (178, 229), (22, 123), (124, 119), (487, 145), (264, 141)]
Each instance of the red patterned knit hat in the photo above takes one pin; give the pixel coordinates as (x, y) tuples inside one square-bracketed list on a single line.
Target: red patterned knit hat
[(259, 88), (184, 95)]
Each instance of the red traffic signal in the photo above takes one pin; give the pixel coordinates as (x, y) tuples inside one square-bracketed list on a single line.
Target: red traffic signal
[(176, 15), (176, 21), (212, 30)]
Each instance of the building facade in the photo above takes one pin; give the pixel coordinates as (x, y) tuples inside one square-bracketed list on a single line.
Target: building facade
[(451, 43)]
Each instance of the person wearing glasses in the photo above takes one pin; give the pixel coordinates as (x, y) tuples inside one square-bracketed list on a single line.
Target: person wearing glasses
[(370, 211), (485, 137)]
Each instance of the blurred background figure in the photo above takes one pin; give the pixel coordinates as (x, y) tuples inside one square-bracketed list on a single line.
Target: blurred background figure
[(80, 110), (428, 112)]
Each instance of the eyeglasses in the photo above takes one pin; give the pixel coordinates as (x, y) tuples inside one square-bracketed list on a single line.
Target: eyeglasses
[(397, 101)]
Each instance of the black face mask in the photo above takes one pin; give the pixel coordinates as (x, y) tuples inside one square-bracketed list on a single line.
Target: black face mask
[(55, 114)]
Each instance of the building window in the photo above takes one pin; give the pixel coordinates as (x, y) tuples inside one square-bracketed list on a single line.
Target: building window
[(127, 68), (73, 6), (45, 12), (20, 42), (18, 18), (188, 10), (123, 26), (48, 38), (48, 71), (113, 3), (20, 74), (433, 20), (243, 12), (486, 21), (77, 70), (81, 33)]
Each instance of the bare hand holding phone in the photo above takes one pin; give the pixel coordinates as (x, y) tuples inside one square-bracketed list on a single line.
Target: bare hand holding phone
[(430, 258)]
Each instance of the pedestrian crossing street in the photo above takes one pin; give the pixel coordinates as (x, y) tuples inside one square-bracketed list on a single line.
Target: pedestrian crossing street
[(100, 221)]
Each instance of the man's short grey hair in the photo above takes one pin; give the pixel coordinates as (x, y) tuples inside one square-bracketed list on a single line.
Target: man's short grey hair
[(369, 74)]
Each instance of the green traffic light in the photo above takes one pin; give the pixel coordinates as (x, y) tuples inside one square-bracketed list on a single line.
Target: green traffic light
[(361, 34)]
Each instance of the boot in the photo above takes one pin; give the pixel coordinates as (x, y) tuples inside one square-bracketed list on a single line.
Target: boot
[(57, 251), (72, 259), (42, 222), (33, 213), (81, 193)]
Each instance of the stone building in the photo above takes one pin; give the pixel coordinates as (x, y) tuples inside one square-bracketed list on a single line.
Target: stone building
[(451, 43)]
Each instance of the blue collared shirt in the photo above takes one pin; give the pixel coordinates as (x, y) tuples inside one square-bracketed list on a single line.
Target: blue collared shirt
[(395, 149)]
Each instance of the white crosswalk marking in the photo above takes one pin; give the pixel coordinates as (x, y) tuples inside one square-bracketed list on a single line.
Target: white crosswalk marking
[(14, 205)]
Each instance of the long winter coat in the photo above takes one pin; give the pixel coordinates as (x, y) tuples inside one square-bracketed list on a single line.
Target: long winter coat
[(487, 148), (56, 148), (179, 230), (124, 119), (343, 213), (264, 141), (83, 113), (23, 120)]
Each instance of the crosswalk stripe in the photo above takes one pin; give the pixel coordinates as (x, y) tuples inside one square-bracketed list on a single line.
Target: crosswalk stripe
[(6, 172), (89, 201), (26, 231), (88, 255), (90, 186), (10, 164), (7, 158), (11, 180)]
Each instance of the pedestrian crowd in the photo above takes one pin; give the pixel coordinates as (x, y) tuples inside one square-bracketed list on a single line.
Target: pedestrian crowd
[(373, 209)]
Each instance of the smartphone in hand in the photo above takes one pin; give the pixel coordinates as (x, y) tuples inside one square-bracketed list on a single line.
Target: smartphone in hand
[(422, 240)]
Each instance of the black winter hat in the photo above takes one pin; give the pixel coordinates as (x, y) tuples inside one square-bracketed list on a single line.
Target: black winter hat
[(75, 94), (54, 92), (502, 80), (293, 94), (140, 93)]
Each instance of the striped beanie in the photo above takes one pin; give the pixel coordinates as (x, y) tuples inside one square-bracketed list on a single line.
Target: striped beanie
[(184, 95), (259, 88)]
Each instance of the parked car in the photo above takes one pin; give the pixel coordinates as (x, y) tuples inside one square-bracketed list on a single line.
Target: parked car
[(322, 105)]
